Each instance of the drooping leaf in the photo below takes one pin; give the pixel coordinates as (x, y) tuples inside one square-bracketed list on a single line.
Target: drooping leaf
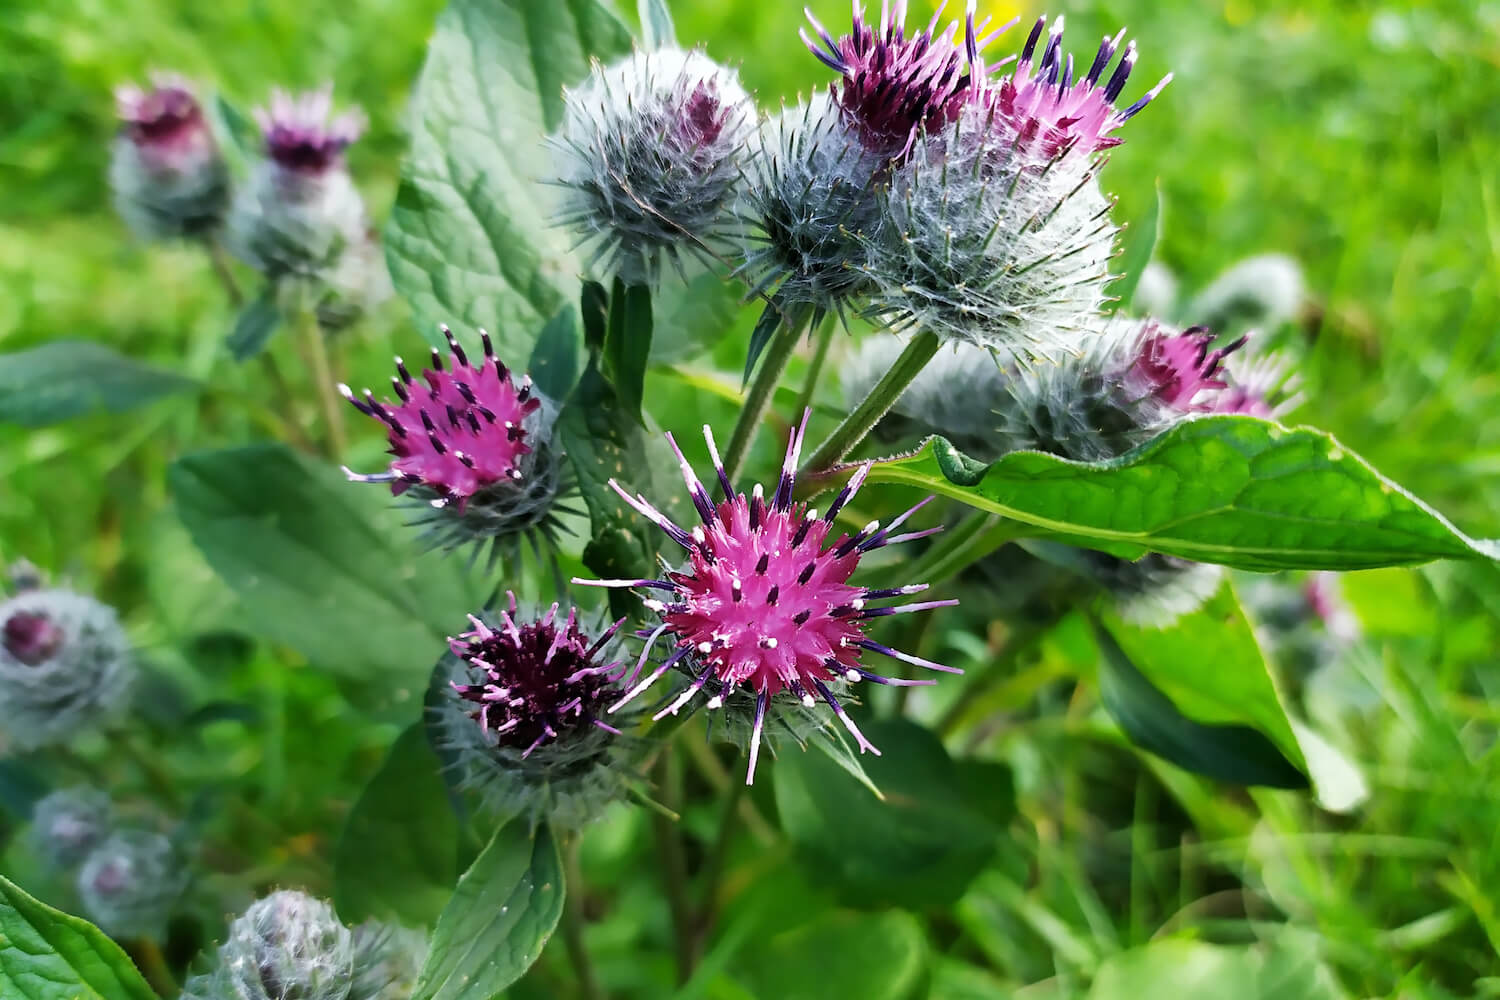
[(254, 326), (919, 846), (627, 346), (398, 856), (873, 956), (1232, 490), (656, 25), (503, 910), (46, 954), (72, 378), (1140, 242), (317, 564), (471, 241)]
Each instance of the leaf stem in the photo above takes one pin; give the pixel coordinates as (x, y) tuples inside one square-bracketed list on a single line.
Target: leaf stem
[(673, 861), (815, 367), (758, 399), (574, 921), (846, 436)]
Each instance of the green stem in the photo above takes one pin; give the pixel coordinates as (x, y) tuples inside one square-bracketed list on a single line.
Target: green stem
[(846, 436), (718, 857), (154, 967), (815, 367), (758, 399), (574, 920), (220, 261), (673, 860), (328, 395)]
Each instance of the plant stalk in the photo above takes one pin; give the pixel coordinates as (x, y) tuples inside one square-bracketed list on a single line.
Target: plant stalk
[(328, 396), (758, 399), (718, 857), (815, 367), (220, 262), (673, 861), (574, 921)]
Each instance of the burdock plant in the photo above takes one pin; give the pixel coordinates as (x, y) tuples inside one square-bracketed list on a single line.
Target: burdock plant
[(166, 170)]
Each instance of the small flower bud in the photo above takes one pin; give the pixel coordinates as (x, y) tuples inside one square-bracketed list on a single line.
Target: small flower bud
[(473, 447), (65, 666), (168, 176), (650, 152), (68, 824), (130, 883), (387, 961), (288, 946)]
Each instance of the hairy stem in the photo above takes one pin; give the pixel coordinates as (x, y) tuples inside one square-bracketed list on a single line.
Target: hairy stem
[(847, 435), (815, 367), (574, 921), (673, 861), (758, 399)]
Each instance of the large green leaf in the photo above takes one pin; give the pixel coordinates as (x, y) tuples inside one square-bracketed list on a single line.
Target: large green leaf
[(874, 956), (318, 564), (501, 914), (46, 954), (470, 240), (1223, 489), (72, 378), (627, 345), (938, 824), (398, 857)]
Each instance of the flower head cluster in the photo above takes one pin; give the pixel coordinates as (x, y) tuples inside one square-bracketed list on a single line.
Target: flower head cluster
[(650, 152), (66, 825), (129, 884), (763, 608), (472, 445), (525, 720), (65, 666), (167, 173)]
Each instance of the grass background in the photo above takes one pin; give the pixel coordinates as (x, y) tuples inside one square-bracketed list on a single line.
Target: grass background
[(1360, 139)]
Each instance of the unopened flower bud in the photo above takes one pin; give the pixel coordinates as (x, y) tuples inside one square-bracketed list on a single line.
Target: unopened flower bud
[(130, 883), (287, 946), (650, 153), (65, 666), (387, 961), (68, 824), (168, 176)]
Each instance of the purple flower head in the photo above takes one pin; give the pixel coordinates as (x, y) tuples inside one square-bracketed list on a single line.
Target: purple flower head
[(1265, 388), (764, 602), (535, 681), (1050, 111), (895, 87), (460, 433), (299, 134), (32, 637), (1178, 368), (165, 123)]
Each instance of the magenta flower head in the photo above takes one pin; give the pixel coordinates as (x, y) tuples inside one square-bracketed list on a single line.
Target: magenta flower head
[(1180, 368), (893, 88), (524, 716), (301, 133), (764, 605), (167, 173), (1264, 387), (1044, 108), (472, 445)]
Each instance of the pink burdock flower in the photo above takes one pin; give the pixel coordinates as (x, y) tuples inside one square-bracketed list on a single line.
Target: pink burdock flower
[(1180, 368), (525, 717), (166, 170), (1266, 387), (764, 603), (1045, 109), (471, 444), (894, 88), (302, 134)]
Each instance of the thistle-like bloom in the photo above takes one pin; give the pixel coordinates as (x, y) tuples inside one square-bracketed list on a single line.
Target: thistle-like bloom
[(1043, 108), (66, 825), (764, 605), (387, 961), (471, 444), (894, 89), (525, 722), (130, 883), (650, 151), (1179, 368), (65, 666), (168, 176), (288, 945)]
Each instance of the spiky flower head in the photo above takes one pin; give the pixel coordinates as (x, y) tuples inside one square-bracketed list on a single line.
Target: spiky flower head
[(763, 609), (650, 153), (66, 825), (525, 720), (130, 883), (287, 946), (65, 666), (473, 446), (167, 173), (1044, 109), (894, 89), (387, 961)]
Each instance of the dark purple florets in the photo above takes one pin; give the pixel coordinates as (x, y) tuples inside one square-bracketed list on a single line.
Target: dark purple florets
[(31, 638), (1179, 368), (299, 134)]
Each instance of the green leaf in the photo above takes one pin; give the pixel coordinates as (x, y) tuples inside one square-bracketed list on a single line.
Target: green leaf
[(936, 828), (502, 912), (693, 311), (318, 565), (254, 326), (72, 378), (1140, 243), (1226, 752), (554, 361), (471, 241), (593, 302), (627, 346), (1232, 490), (46, 954), (873, 956), (656, 25), (238, 127), (1196, 970), (398, 856)]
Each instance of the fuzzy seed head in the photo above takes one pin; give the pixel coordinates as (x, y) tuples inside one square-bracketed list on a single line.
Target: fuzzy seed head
[(65, 666), (129, 883), (287, 946), (167, 174), (650, 153), (68, 824)]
